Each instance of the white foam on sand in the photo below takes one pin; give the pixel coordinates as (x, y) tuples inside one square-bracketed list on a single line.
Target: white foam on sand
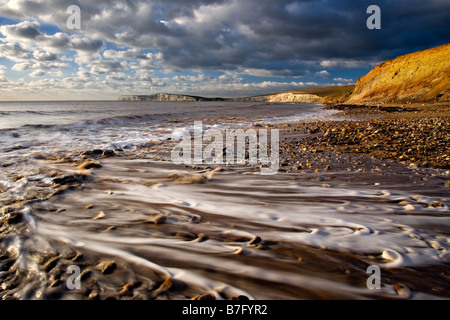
[(365, 223)]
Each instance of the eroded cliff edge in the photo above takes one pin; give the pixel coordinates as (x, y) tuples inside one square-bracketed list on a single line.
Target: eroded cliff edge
[(422, 76)]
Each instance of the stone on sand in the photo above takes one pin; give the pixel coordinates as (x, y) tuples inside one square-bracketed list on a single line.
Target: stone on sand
[(89, 164)]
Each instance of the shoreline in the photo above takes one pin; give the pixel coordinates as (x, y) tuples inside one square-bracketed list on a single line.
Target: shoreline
[(139, 228), (409, 137), (417, 135)]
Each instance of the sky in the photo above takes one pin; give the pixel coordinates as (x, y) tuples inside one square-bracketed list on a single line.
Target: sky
[(225, 48)]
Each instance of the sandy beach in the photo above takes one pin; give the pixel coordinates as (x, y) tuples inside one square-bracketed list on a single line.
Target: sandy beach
[(224, 150), (139, 227)]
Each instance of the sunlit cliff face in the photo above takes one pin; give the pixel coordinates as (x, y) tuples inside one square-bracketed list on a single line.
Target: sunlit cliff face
[(420, 76)]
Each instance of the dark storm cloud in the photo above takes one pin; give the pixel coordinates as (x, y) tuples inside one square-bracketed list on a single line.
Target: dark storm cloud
[(230, 34), (251, 34)]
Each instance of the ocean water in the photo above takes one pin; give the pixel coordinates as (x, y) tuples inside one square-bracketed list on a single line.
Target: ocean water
[(287, 236), (45, 126)]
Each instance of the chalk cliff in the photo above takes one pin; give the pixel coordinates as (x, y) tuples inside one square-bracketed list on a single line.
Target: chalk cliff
[(286, 97), (160, 97), (280, 98)]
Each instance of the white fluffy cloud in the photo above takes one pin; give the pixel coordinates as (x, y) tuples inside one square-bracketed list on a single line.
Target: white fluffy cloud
[(39, 68), (14, 51)]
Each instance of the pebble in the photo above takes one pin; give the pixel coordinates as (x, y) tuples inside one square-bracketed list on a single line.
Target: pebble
[(422, 141), (191, 179), (13, 217), (158, 219), (93, 295), (95, 152), (108, 153), (126, 289), (409, 207), (389, 255), (78, 256), (85, 274), (50, 264), (209, 175), (254, 241), (436, 245), (55, 283), (402, 290), (100, 215), (436, 204), (89, 164), (67, 253), (107, 266), (67, 180), (201, 237), (166, 285)]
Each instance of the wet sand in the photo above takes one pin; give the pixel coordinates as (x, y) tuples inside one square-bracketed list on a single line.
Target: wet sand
[(139, 227)]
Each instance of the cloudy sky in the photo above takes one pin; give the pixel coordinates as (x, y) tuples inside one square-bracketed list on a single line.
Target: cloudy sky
[(205, 47)]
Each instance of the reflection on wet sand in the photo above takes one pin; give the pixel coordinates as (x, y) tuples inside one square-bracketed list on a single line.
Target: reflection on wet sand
[(140, 229)]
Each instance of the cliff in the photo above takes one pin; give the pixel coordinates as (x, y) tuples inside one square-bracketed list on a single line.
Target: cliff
[(334, 94), (287, 97), (422, 76), (419, 76), (165, 97)]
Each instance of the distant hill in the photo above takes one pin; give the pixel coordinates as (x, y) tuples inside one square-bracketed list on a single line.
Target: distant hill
[(166, 97), (283, 97), (419, 76)]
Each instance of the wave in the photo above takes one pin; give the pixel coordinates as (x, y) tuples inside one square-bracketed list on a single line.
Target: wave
[(39, 126), (296, 240), (26, 112)]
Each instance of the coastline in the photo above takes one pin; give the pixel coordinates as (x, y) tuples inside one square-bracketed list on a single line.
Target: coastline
[(270, 153), (139, 227), (417, 135)]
